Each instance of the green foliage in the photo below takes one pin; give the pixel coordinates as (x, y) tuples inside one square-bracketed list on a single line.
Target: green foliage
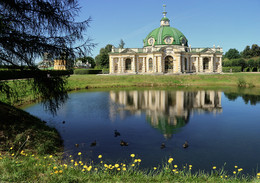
[(102, 60), (87, 71), (231, 69), (232, 54), (121, 44), (241, 82), (88, 59), (248, 52)]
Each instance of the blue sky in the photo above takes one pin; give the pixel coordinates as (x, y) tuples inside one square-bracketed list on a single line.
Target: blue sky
[(227, 23)]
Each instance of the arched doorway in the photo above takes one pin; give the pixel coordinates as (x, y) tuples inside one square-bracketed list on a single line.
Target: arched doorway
[(168, 64), (205, 63), (128, 64)]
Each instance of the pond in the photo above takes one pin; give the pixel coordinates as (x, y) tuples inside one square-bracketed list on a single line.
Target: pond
[(222, 129)]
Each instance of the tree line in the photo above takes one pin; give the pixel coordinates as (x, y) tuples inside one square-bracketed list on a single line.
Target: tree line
[(244, 59)]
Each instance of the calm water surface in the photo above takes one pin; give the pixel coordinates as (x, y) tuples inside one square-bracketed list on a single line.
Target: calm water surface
[(221, 129)]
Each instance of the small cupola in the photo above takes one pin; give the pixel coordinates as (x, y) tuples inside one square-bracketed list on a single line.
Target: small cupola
[(165, 21)]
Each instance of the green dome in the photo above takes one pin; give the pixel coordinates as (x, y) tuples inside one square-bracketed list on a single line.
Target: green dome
[(165, 35)]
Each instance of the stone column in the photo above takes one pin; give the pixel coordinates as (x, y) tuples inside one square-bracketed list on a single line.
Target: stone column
[(197, 64), (211, 64), (123, 65), (111, 65), (143, 66), (178, 64), (191, 63), (133, 65), (160, 64), (220, 65), (201, 64), (182, 64)]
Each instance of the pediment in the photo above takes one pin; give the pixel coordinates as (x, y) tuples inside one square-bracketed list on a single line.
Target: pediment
[(127, 50), (207, 50)]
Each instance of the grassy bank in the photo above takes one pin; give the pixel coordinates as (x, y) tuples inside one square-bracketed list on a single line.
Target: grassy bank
[(35, 168), (227, 82), (21, 131), (28, 151), (111, 81)]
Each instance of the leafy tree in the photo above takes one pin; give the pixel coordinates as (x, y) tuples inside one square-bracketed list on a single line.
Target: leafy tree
[(121, 44), (255, 50), (246, 53), (232, 54), (102, 60), (29, 29)]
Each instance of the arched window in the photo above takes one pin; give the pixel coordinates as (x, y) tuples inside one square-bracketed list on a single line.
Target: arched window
[(168, 63), (205, 63), (150, 64), (128, 64)]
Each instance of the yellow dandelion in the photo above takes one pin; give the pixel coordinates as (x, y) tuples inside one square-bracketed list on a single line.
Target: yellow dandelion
[(170, 160), (225, 176), (132, 155), (133, 164), (221, 176), (32, 155), (83, 170), (105, 165), (118, 169), (11, 148), (89, 168), (60, 171), (234, 172), (72, 161), (79, 153), (124, 164), (70, 156), (240, 169), (258, 174), (13, 154), (154, 168), (175, 166), (174, 170), (50, 156), (190, 166), (56, 171), (80, 162), (100, 156), (139, 160), (96, 169), (135, 161), (214, 167), (235, 166), (54, 168), (116, 165), (85, 166), (124, 169)]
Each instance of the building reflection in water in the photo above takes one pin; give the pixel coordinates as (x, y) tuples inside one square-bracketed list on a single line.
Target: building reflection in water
[(166, 111)]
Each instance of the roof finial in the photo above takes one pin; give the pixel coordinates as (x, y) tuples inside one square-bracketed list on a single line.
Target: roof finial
[(164, 12)]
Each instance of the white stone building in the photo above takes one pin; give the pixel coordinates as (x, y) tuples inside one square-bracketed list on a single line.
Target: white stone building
[(165, 50)]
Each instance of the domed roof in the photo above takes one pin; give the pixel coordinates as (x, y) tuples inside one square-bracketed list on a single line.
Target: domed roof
[(165, 35)]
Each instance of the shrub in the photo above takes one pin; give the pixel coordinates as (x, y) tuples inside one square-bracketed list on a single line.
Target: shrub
[(234, 69), (87, 71)]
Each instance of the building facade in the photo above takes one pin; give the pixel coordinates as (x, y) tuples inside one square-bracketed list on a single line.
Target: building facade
[(165, 50)]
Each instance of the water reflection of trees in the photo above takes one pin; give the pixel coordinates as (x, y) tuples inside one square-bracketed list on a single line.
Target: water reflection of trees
[(167, 111), (253, 99)]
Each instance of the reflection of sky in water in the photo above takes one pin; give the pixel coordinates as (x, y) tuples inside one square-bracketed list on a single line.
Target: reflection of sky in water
[(219, 130)]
